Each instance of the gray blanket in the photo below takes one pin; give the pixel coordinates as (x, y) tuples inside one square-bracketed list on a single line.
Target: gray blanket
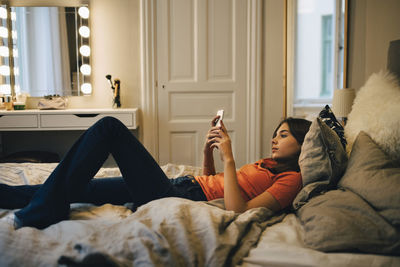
[(166, 232)]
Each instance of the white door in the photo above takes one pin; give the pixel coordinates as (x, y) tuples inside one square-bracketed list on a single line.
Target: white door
[(201, 63)]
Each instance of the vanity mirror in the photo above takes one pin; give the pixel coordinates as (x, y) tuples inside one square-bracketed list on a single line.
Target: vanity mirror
[(44, 50)]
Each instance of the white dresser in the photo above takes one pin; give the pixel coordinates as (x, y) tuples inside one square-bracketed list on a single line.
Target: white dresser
[(62, 120), (54, 130)]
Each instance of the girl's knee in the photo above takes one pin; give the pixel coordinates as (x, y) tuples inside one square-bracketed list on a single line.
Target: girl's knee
[(109, 119), (110, 122), (111, 126)]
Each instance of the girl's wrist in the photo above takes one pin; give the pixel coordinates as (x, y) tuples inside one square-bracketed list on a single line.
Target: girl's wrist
[(229, 160)]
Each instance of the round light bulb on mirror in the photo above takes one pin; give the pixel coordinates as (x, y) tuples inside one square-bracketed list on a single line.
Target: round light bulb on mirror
[(13, 16), (14, 35), (16, 71), (3, 13), (84, 31), (86, 69), (84, 50), (4, 51), (15, 52), (86, 88), (3, 32), (5, 70), (83, 12)]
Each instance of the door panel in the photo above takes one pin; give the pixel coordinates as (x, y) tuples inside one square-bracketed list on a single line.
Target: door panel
[(181, 40), (199, 106), (220, 41), (201, 58), (180, 140)]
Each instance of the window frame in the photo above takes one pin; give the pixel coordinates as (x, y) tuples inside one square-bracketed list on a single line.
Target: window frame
[(303, 107)]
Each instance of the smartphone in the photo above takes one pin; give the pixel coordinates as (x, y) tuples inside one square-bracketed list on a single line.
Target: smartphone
[(220, 113)]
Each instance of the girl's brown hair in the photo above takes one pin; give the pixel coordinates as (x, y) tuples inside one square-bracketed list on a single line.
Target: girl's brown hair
[(298, 128)]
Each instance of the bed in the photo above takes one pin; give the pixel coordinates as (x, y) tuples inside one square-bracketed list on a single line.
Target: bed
[(167, 232), (111, 235), (347, 214)]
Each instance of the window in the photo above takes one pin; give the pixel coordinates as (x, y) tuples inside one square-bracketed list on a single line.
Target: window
[(327, 57), (315, 54)]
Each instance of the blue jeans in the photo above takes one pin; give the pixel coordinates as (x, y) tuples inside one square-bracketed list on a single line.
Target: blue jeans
[(71, 181)]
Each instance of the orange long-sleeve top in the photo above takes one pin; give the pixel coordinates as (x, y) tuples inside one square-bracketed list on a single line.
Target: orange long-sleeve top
[(253, 180)]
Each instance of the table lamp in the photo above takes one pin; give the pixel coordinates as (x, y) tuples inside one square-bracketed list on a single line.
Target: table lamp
[(342, 102)]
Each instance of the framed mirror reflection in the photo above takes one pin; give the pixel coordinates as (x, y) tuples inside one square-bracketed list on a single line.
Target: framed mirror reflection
[(46, 50)]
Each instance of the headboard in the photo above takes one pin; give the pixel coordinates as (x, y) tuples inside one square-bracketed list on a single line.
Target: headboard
[(393, 62)]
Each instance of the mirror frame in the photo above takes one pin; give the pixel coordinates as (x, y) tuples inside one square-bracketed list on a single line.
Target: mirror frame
[(84, 80)]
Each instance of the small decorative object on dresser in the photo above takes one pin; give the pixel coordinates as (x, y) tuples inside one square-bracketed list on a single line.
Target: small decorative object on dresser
[(8, 103), (53, 102), (115, 87)]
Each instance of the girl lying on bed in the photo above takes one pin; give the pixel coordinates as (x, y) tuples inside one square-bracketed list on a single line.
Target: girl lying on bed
[(272, 183)]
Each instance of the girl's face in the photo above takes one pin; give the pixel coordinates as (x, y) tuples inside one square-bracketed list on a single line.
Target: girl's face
[(284, 145)]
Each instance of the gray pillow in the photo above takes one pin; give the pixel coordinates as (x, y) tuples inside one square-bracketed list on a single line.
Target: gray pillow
[(375, 177), (322, 161), (340, 220)]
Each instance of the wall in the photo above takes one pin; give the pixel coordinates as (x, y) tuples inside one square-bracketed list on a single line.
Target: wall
[(373, 24), (115, 44), (273, 75)]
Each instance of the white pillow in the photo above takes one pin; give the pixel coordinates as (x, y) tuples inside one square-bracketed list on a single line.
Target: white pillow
[(376, 111)]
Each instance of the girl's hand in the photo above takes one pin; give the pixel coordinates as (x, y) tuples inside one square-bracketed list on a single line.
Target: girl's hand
[(208, 158), (221, 140), (212, 133)]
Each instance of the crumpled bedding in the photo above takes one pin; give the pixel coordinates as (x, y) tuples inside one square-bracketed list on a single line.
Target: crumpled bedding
[(165, 232)]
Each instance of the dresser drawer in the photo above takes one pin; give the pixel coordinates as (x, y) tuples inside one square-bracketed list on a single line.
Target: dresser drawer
[(82, 120), (18, 121)]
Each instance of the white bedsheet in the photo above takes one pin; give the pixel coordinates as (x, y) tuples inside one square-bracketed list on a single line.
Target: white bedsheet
[(282, 245)]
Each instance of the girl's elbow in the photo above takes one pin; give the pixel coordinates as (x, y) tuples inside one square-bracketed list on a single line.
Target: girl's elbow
[(237, 209)]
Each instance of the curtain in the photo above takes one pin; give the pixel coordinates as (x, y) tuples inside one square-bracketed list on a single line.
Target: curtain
[(43, 51)]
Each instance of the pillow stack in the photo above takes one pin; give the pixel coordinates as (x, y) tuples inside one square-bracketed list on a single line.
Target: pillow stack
[(375, 177), (327, 116), (322, 161), (363, 214)]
